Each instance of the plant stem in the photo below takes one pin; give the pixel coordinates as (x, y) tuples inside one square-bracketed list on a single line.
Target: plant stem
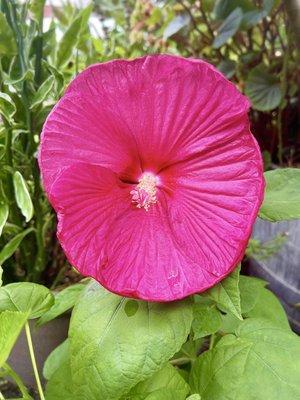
[(9, 371), (212, 341), (33, 361)]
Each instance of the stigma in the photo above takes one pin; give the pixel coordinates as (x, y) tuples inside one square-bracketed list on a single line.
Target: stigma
[(144, 193)]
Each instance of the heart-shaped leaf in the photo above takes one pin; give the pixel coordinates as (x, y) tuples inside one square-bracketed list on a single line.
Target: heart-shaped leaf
[(263, 89), (260, 360), (26, 297), (282, 196), (111, 352)]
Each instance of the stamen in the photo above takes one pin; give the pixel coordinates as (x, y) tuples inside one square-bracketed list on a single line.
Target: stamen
[(144, 194)]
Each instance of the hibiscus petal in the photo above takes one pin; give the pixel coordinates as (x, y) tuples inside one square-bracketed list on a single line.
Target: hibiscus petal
[(144, 259), (214, 199), (142, 114), (82, 129), (87, 198)]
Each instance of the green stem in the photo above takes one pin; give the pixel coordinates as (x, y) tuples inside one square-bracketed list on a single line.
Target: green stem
[(180, 361), (212, 341), (33, 361), (9, 371)]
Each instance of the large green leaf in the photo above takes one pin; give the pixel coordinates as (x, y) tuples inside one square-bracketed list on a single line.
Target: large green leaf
[(71, 37), (207, 320), (64, 301), (261, 362), (11, 324), (22, 195), (8, 46), (263, 89), (226, 294), (250, 289), (269, 307), (228, 28), (27, 297), (60, 385), (282, 195), (10, 247), (163, 394), (7, 106), (57, 357), (111, 352), (167, 378), (3, 215)]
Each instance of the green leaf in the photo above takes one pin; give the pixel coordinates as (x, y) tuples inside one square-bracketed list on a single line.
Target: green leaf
[(43, 92), (224, 7), (10, 247), (9, 80), (60, 385), (4, 210), (263, 89), (269, 307), (22, 196), (111, 352), (63, 302), (8, 46), (228, 28), (226, 294), (194, 397), (59, 77), (207, 320), (163, 394), (168, 378), (37, 9), (7, 106), (261, 361), (227, 67), (282, 195), (11, 324), (71, 37), (174, 26), (57, 357), (1, 272), (26, 297), (250, 289)]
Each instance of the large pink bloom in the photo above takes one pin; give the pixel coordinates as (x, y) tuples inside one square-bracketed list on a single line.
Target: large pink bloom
[(154, 174)]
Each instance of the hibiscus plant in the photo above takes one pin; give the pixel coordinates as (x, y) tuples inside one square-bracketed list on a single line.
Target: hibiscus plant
[(150, 169)]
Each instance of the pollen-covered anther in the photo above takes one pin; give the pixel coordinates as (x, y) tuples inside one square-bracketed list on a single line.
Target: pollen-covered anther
[(144, 194)]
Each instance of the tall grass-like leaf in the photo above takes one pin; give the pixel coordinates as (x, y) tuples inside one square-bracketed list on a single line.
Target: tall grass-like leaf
[(71, 37), (8, 45)]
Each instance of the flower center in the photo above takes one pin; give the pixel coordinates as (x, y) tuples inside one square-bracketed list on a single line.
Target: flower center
[(144, 193)]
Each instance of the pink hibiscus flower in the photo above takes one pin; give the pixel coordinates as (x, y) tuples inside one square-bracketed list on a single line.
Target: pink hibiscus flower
[(154, 174)]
